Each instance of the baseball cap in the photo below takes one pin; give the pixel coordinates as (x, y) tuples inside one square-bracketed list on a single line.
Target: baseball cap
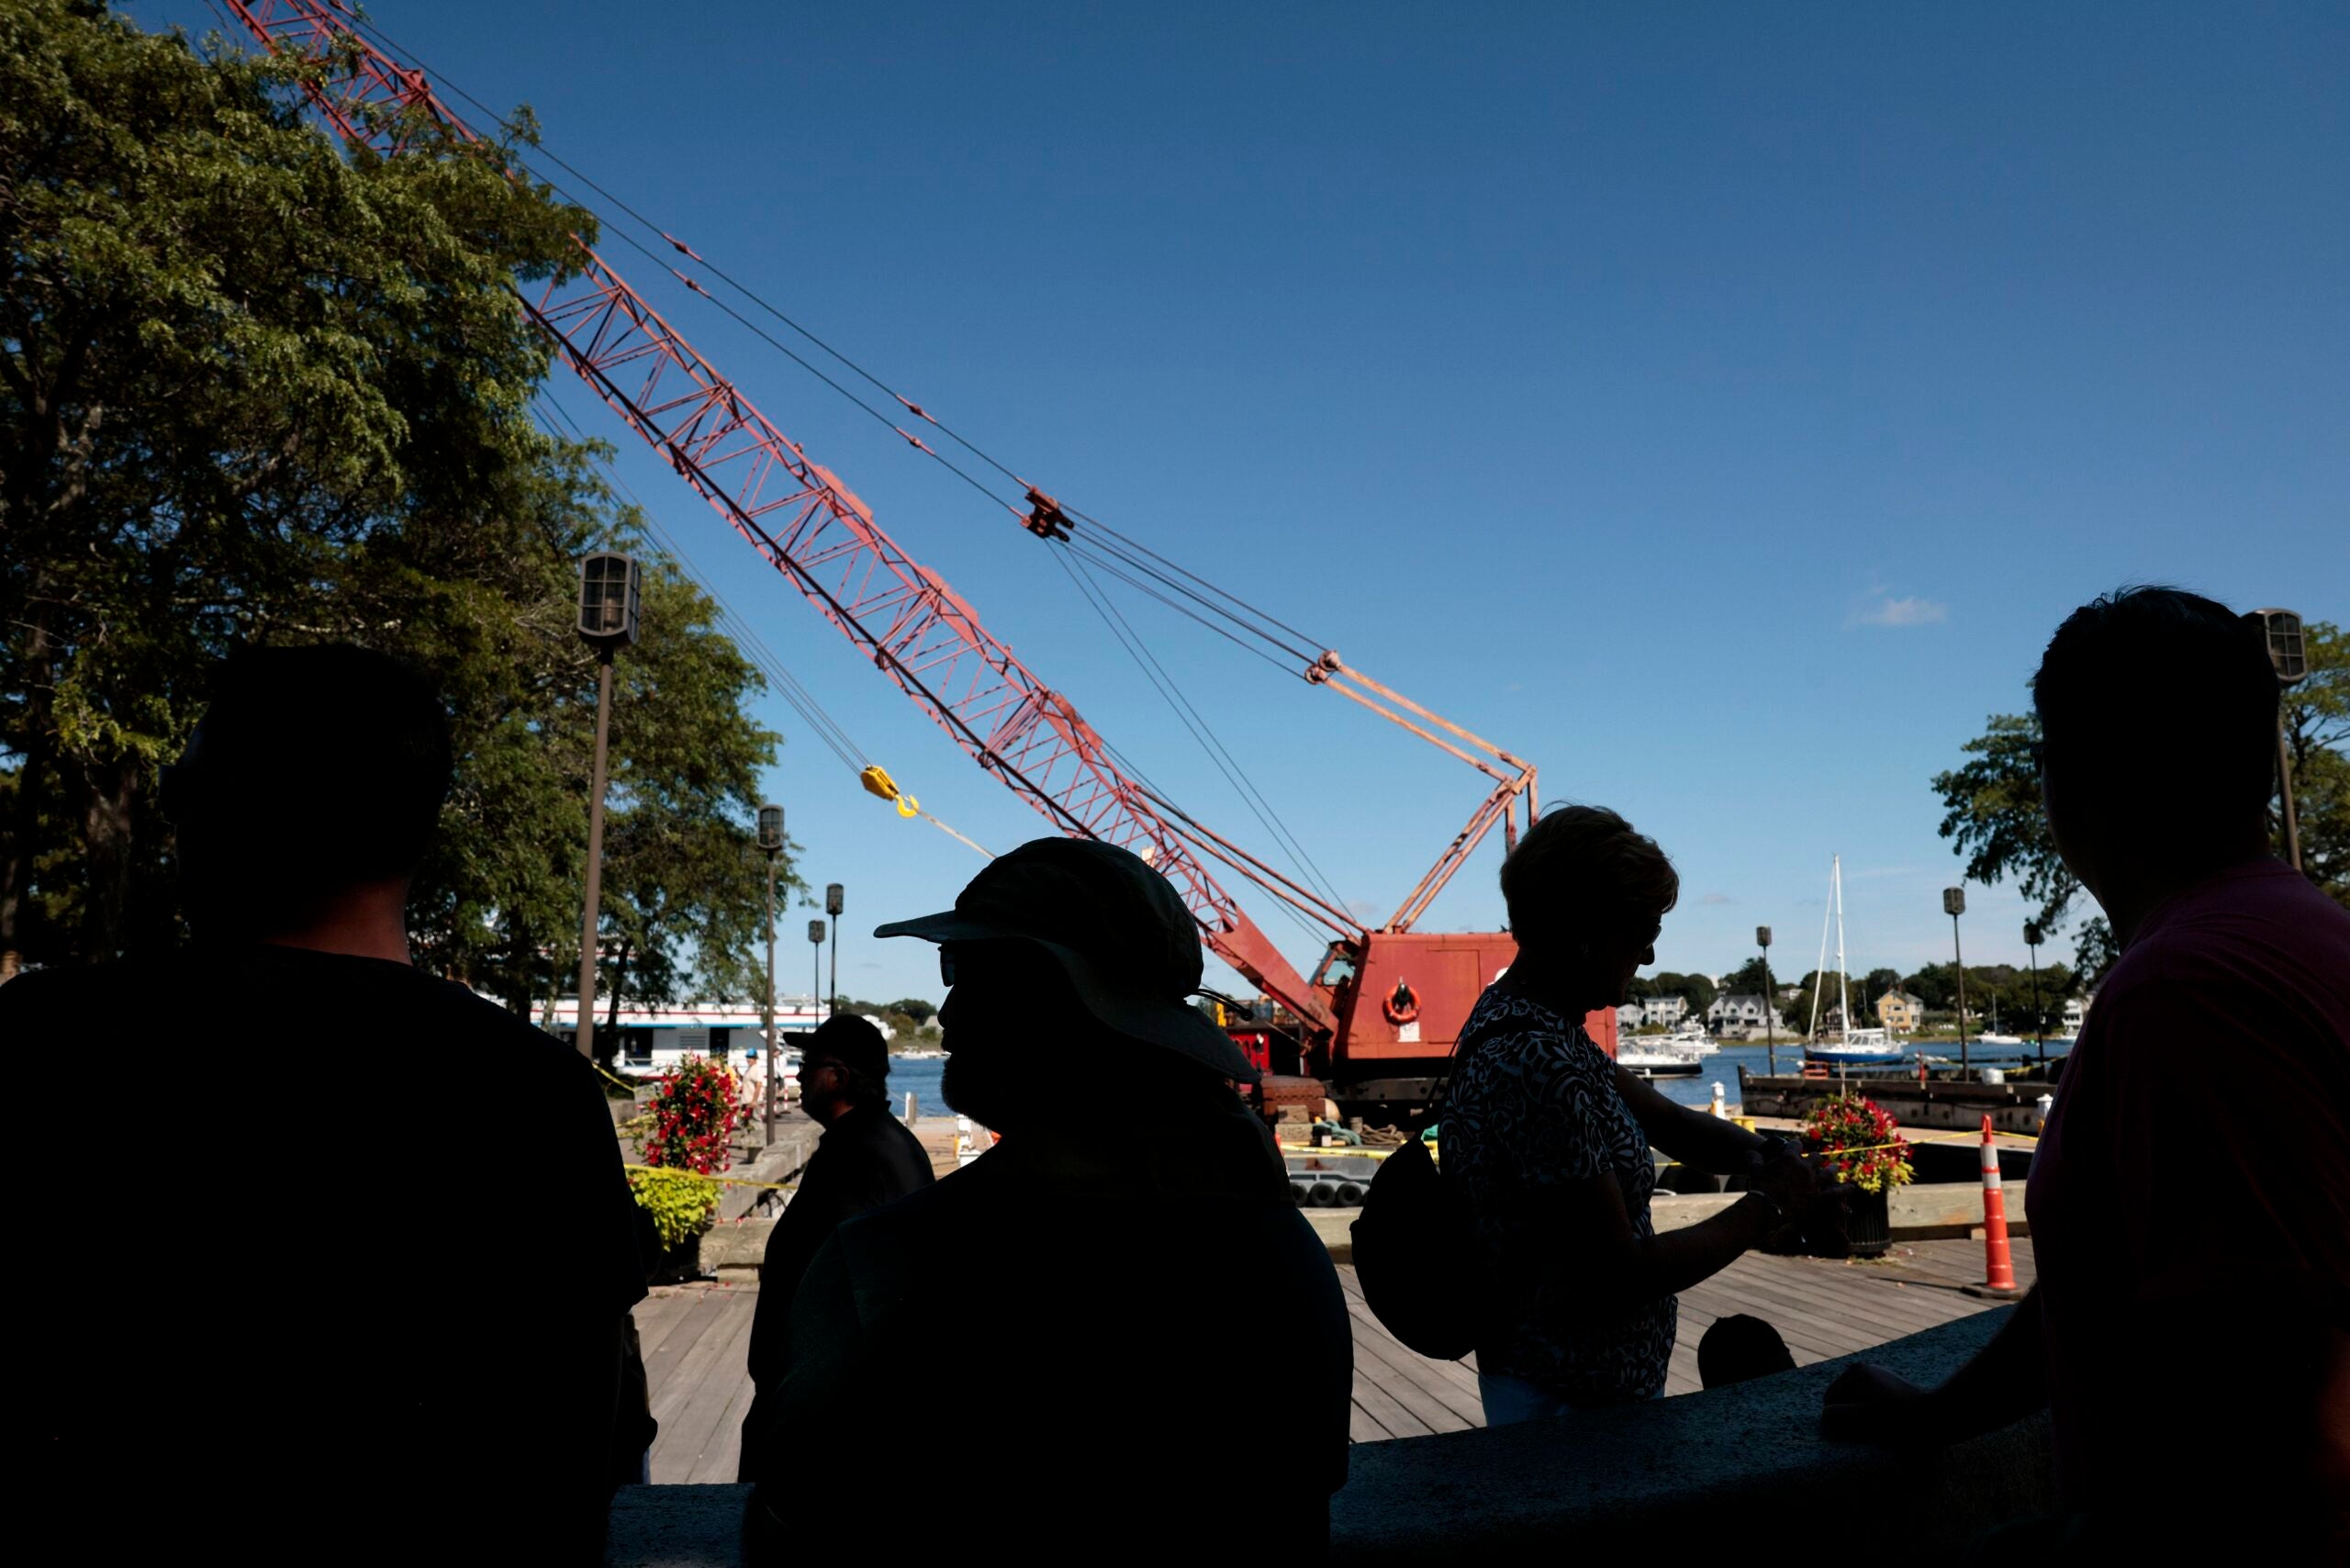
[(851, 1041), (1117, 928)]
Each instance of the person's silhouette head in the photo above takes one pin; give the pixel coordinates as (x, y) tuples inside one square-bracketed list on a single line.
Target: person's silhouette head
[(2158, 737), (844, 1065), (1740, 1347), (315, 775), (1069, 963), (1587, 894)]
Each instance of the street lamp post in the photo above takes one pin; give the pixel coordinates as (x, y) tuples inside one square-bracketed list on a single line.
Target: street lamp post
[(1770, 1012), (1954, 905), (836, 904), (816, 943), (607, 603), (2039, 1029), (2290, 654), (771, 844)]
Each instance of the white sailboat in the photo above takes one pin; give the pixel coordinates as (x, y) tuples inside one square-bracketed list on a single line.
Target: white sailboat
[(1848, 1047)]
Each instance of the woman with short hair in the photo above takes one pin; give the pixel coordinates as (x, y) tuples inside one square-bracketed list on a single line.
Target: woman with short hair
[(1545, 1139)]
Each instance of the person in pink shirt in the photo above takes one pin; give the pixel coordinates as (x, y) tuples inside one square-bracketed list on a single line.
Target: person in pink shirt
[(2190, 1198)]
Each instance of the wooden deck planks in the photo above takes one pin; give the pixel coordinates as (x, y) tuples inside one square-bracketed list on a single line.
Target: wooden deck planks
[(697, 1343)]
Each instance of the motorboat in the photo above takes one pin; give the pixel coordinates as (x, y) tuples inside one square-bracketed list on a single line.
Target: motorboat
[(1653, 1057)]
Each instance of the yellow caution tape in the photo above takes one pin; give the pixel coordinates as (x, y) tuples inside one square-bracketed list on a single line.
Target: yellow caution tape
[(720, 1180)]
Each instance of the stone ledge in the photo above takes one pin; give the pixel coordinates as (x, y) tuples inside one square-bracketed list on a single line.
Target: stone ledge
[(1703, 1467), (1699, 1467)]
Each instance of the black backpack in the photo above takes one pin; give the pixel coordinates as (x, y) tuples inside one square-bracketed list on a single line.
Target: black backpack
[(1412, 1256)]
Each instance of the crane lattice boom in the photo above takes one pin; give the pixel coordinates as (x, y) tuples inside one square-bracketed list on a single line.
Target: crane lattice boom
[(808, 525)]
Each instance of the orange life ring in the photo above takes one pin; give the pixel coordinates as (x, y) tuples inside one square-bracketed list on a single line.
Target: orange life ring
[(1403, 1004)]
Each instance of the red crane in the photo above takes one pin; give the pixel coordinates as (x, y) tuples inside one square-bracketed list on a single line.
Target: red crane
[(1385, 1004)]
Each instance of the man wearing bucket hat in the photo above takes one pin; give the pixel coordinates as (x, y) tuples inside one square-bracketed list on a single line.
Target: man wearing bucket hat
[(1113, 1294)]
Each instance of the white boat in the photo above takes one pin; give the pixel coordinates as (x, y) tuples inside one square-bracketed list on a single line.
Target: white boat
[(1689, 1038), (1847, 1047), (1649, 1059)]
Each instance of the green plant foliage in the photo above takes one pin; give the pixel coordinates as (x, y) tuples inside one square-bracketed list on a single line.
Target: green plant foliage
[(680, 1202)]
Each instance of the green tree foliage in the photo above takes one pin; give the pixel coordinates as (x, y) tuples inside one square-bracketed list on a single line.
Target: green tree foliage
[(1751, 979), (2007, 988), (1698, 991), (1991, 805), (1991, 813), (913, 1007), (2317, 733), (255, 389)]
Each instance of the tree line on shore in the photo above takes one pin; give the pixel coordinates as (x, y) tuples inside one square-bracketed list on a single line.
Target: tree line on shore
[(2006, 988), (255, 389)]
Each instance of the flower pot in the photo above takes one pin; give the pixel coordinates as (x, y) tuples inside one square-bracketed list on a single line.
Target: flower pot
[(681, 1264), (1868, 1226)]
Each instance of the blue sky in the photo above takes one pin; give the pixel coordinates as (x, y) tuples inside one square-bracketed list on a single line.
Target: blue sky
[(1717, 405)]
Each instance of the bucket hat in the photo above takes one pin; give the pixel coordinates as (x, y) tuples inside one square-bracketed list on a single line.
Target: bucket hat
[(1117, 928)]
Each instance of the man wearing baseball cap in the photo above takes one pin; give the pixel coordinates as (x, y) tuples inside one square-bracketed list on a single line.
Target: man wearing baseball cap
[(1138, 1338), (865, 1158)]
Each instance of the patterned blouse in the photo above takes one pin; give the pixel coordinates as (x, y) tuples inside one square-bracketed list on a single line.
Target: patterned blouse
[(1531, 1107)]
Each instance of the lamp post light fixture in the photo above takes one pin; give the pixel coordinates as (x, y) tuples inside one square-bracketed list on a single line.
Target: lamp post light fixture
[(816, 981), (771, 846), (1770, 1011), (836, 904), (2288, 653), (1954, 905), (608, 583), (2031, 936)]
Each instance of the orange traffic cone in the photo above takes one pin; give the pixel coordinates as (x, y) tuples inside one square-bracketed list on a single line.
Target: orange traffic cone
[(1998, 1268)]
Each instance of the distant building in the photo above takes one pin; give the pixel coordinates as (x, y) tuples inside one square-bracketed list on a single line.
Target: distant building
[(1739, 1011), (1900, 1010), (2076, 1013), (1666, 1010), (1629, 1015)]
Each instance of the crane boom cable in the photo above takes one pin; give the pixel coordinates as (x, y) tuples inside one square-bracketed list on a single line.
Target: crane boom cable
[(738, 626), (1187, 713), (923, 635), (1246, 621), (1106, 613)]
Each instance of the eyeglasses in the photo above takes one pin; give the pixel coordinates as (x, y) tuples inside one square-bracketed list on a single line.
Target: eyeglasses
[(945, 965)]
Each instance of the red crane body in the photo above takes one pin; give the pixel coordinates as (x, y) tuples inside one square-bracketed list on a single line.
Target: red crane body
[(1348, 1027)]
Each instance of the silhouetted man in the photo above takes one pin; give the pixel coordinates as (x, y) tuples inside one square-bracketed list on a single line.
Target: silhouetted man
[(2191, 1197), (378, 1314), (865, 1158), (1127, 1339)]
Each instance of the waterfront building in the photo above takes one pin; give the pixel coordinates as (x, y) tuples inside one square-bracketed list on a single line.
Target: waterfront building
[(1628, 1017), (1664, 1010), (1736, 1013), (1901, 1010), (654, 1040)]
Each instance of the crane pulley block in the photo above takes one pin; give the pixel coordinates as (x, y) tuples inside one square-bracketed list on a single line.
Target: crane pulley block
[(1046, 519)]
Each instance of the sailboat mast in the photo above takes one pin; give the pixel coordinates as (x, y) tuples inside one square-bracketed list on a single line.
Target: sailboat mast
[(1819, 969), (1843, 989)]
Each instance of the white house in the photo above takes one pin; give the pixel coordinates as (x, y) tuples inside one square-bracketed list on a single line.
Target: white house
[(1666, 1010), (1738, 1012), (1628, 1016)]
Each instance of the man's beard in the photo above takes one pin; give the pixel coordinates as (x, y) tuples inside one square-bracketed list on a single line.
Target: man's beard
[(971, 1089)]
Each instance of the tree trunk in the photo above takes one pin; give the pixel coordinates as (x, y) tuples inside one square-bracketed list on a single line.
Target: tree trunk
[(106, 792), (608, 1043), (21, 835)]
